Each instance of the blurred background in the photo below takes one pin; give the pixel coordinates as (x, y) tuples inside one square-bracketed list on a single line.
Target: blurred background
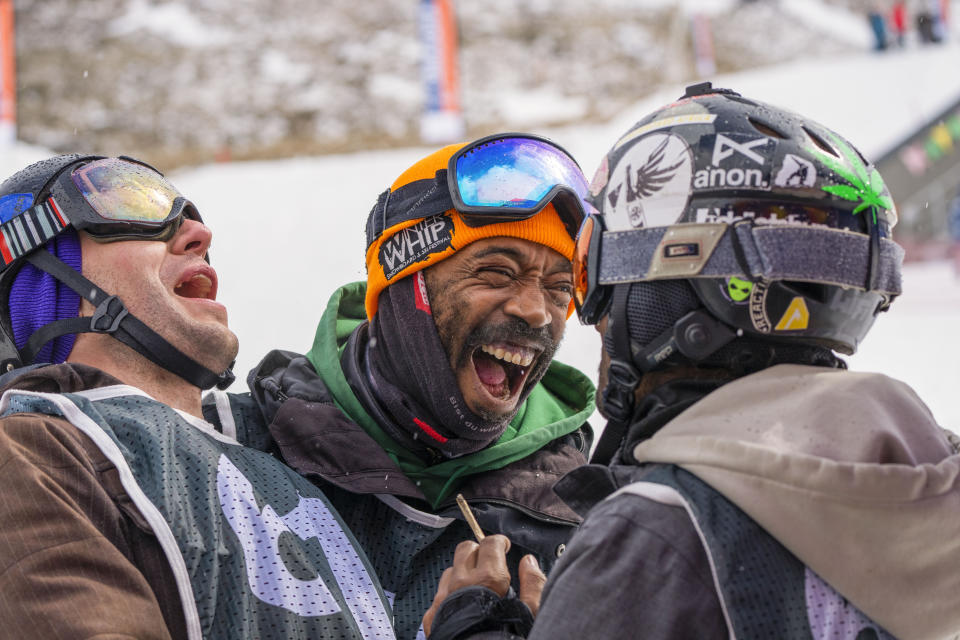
[(188, 82), (198, 81), (283, 120)]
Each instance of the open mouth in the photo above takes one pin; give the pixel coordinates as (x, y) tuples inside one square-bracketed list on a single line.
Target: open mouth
[(197, 284), (503, 367)]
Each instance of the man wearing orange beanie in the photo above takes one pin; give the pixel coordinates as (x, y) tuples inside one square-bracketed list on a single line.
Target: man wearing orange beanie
[(435, 377)]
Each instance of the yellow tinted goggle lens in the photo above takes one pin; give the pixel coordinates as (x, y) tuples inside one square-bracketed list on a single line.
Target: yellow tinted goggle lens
[(581, 280), (126, 192)]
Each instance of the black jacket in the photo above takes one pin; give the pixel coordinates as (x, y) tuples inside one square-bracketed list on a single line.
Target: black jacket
[(291, 413)]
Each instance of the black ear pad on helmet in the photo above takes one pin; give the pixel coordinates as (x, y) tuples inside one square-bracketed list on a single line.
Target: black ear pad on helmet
[(654, 307)]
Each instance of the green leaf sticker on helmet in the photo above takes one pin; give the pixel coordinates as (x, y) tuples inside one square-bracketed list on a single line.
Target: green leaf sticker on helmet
[(867, 189)]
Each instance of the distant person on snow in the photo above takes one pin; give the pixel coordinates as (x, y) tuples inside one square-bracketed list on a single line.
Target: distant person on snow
[(123, 514), (746, 484), (878, 26), (898, 22), (436, 375), (929, 22)]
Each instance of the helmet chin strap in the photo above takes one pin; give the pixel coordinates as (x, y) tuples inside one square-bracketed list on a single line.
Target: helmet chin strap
[(622, 380), (112, 317), (696, 335)]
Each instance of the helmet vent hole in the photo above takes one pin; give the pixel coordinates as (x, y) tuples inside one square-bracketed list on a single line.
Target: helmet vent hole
[(766, 129), (820, 142)]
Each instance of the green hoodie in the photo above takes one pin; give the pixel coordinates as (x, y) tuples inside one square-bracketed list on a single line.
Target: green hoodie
[(558, 405)]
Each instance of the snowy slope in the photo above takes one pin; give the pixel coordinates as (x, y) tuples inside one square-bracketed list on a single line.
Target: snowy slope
[(288, 232)]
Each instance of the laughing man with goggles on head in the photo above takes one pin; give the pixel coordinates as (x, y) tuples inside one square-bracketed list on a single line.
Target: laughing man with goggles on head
[(109, 200), (435, 376), (123, 513)]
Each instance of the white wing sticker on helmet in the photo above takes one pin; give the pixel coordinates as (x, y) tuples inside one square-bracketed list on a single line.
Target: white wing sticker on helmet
[(650, 185)]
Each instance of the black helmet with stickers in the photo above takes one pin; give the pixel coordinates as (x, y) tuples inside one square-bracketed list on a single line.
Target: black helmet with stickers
[(722, 219)]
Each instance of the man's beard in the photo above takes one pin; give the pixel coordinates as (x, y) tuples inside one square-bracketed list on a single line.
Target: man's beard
[(208, 344), (511, 330)]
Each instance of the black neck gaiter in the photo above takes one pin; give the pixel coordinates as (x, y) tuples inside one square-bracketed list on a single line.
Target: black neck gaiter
[(411, 376)]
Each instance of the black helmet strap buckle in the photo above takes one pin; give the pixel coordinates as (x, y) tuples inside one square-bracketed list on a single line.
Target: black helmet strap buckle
[(618, 401), (103, 320), (112, 317), (622, 380)]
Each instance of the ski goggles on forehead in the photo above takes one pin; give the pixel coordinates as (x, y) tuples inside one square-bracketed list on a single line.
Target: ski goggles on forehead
[(589, 296), (512, 176), (502, 178), (120, 199)]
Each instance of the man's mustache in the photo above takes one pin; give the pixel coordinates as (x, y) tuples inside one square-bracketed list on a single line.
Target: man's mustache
[(512, 330)]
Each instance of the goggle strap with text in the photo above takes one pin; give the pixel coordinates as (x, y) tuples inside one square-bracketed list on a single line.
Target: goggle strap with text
[(413, 201), (30, 230), (769, 252)]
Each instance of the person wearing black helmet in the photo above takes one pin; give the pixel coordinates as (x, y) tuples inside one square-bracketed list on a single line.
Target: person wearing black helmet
[(436, 375), (124, 514), (747, 485)]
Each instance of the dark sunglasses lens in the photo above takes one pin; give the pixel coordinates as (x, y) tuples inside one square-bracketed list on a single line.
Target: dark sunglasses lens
[(122, 191), (515, 173)]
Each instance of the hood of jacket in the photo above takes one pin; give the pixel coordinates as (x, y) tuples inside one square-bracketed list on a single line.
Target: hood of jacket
[(558, 406), (849, 471), (56, 378)]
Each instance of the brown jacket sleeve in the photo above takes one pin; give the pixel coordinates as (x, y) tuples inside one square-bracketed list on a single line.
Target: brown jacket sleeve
[(77, 560)]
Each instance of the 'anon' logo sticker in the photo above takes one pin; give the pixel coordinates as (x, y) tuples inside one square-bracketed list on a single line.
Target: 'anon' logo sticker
[(738, 290), (736, 161), (724, 147), (650, 185), (415, 244)]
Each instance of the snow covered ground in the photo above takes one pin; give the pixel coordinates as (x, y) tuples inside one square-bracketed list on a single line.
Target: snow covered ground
[(287, 232)]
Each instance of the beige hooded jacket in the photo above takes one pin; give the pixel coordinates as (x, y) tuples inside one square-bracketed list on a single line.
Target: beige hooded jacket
[(850, 472)]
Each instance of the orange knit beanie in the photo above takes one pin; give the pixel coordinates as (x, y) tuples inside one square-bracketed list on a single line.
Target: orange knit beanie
[(426, 235)]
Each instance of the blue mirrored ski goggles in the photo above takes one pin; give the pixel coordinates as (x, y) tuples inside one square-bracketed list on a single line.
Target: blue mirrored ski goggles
[(509, 177), (501, 178)]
